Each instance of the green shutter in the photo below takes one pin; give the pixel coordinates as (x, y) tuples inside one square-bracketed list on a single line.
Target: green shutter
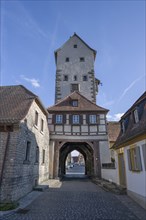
[(144, 154), (138, 158), (129, 159)]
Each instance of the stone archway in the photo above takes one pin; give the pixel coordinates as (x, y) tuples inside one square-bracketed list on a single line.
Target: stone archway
[(84, 148)]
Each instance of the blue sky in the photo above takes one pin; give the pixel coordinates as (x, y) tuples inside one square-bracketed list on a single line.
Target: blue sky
[(32, 30)]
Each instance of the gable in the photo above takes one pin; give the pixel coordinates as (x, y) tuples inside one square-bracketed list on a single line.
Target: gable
[(69, 46), (83, 104)]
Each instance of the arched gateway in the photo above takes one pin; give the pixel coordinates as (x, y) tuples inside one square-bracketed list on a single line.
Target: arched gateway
[(84, 148), (75, 121)]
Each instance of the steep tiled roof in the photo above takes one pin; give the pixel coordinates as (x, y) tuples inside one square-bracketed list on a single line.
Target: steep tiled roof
[(15, 102), (132, 129), (113, 130), (83, 104)]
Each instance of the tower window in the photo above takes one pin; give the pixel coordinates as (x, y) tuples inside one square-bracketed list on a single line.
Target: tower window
[(36, 118), (67, 59), (84, 78), (82, 59), (136, 117), (75, 45), (65, 78), (75, 77), (74, 87)]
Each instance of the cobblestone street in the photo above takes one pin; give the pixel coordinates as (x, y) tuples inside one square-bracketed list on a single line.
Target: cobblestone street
[(78, 199)]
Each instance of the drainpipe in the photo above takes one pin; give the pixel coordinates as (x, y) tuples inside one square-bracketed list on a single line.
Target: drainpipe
[(4, 159)]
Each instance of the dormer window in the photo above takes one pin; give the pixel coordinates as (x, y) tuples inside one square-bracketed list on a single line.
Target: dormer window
[(75, 103), (123, 126), (75, 45), (136, 117)]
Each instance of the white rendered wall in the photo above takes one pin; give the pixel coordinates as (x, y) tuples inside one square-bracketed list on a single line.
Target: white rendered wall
[(136, 181)]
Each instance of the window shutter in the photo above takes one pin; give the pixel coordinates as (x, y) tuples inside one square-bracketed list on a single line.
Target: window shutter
[(87, 119), (53, 119), (144, 154), (70, 119), (138, 158), (129, 159), (81, 119), (64, 119)]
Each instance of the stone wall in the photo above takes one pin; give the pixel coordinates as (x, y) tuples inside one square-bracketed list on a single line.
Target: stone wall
[(75, 68), (20, 174)]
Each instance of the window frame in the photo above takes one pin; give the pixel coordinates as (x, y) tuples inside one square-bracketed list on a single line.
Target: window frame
[(75, 119), (134, 159), (75, 46), (59, 119), (93, 119), (65, 78), (136, 116)]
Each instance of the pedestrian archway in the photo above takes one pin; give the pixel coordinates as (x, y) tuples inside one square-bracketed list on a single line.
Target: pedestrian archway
[(83, 148)]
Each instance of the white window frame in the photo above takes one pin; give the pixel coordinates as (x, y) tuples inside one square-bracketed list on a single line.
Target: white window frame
[(75, 119), (59, 119), (92, 119)]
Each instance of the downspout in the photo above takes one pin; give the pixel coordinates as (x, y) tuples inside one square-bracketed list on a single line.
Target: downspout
[(4, 159)]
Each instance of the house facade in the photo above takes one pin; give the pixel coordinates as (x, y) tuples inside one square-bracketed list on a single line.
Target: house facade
[(24, 142), (75, 123), (130, 148)]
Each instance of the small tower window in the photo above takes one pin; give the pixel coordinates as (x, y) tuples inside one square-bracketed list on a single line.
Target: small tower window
[(75, 45), (82, 59), (74, 87), (65, 78), (75, 77), (67, 59), (84, 78), (136, 117), (36, 118)]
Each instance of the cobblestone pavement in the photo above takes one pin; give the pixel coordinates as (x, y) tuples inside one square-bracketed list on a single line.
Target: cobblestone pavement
[(75, 200)]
